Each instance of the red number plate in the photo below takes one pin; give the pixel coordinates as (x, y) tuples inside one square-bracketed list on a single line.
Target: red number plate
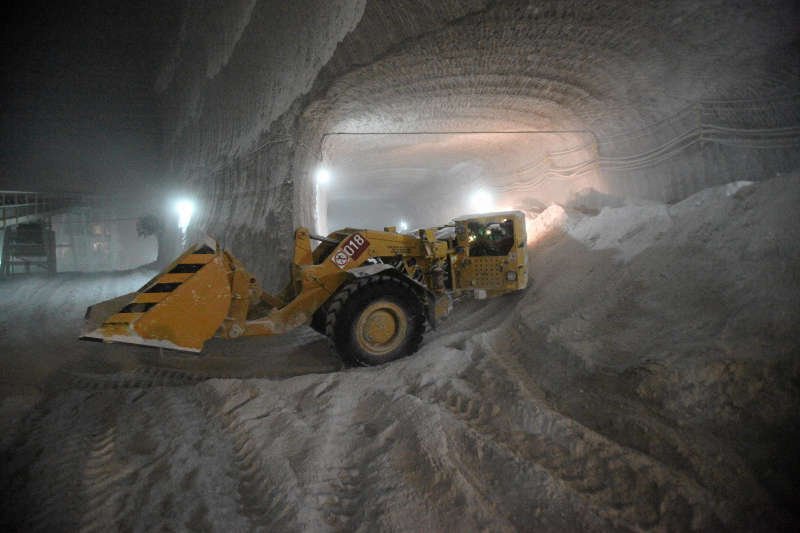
[(350, 250)]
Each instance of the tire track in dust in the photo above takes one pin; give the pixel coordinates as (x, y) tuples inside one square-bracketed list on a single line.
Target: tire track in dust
[(100, 481), (157, 483), (60, 452), (342, 468), (377, 444), (336, 493), (265, 502), (631, 425), (53, 505), (177, 417), (140, 378), (148, 375), (449, 480), (93, 470), (621, 485), (112, 488)]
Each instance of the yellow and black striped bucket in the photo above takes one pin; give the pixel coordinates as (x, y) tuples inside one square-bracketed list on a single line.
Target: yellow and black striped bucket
[(179, 309)]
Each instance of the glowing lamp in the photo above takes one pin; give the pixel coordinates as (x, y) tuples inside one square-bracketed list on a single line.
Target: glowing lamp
[(323, 176), (481, 201), (185, 210)]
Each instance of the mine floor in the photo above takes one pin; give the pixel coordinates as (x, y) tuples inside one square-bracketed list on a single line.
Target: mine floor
[(646, 379)]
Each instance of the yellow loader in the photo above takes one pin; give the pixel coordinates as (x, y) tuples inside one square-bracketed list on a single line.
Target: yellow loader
[(370, 292)]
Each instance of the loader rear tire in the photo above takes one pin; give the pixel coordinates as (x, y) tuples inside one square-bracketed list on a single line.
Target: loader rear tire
[(375, 320)]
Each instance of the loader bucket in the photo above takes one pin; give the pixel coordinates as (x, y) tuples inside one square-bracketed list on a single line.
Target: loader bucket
[(179, 309)]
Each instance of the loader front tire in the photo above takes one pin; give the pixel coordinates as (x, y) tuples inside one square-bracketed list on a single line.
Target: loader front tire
[(318, 319), (375, 320)]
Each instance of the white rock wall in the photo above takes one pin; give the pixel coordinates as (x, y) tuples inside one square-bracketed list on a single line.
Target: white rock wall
[(235, 68), (678, 96)]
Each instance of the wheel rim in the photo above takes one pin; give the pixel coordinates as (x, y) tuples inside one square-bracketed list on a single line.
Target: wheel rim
[(381, 328)]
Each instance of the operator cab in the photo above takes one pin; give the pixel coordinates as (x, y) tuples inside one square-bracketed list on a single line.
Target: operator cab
[(490, 256), (495, 238)]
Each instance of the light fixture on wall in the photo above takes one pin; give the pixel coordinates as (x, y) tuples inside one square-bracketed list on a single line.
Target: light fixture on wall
[(323, 176), (322, 179), (185, 210)]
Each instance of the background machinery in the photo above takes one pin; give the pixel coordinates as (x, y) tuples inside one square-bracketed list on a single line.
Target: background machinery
[(370, 292)]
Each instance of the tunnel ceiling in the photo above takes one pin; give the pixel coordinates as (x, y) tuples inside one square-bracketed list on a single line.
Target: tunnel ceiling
[(608, 67), (653, 100)]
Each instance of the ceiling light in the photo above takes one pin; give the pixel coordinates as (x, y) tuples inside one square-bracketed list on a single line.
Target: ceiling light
[(481, 201)]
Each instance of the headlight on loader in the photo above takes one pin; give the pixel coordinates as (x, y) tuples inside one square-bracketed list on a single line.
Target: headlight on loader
[(511, 276)]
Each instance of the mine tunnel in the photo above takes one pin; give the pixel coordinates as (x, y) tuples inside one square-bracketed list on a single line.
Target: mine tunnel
[(402, 265)]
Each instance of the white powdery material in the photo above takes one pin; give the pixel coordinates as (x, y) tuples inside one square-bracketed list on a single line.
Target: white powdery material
[(707, 197), (448, 438), (537, 226), (629, 229), (291, 74), (249, 75), (234, 18)]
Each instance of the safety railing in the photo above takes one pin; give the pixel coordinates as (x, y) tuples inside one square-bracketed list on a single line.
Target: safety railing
[(17, 207), (20, 207)]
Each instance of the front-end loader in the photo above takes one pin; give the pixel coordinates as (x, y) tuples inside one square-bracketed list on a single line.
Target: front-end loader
[(370, 292)]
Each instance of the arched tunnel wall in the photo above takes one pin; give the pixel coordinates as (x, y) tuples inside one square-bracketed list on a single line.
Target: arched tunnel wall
[(678, 96)]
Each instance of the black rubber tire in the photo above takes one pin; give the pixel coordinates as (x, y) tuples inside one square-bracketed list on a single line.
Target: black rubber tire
[(347, 304), (318, 319)]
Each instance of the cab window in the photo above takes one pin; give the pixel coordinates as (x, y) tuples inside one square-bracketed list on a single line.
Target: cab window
[(492, 239)]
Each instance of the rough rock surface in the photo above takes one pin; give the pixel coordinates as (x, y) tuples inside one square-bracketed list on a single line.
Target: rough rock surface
[(655, 100), (652, 386)]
